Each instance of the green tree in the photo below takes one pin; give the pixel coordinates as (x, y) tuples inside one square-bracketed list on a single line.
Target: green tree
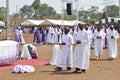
[(2, 13), (46, 11), (36, 5), (26, 11), (111, 11), (90, 15)]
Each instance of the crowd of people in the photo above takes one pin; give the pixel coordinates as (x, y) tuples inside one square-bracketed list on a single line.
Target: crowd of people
[(98, 37), (83, 36)]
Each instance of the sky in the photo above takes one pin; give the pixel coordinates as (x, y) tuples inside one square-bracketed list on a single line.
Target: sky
[(57, 5)]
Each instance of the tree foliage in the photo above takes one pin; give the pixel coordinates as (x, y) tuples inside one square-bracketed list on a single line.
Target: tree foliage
[(112, 11), (43, 11), (26, 11), (36, 5), (46, 10), (2, 13), (91, 14)]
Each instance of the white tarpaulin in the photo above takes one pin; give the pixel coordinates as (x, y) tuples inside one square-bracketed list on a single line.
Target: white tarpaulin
[(75, 22), (31, 22), (109, 19), (2, 23), (56, 22)]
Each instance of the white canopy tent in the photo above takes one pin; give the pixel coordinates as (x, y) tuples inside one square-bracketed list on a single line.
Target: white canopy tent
[(116, 19), (2, 23), (29, 22), (56, 22), (109, 19), (75, 22), (104, 20)]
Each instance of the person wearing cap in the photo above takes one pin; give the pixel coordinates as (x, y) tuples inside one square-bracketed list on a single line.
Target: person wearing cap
[(65, 58), (82, 53), (112, 39)]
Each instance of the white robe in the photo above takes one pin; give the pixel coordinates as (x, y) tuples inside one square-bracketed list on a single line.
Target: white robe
[(75, 33), (82, 54), (56, 52), (50, 36), (98, 43), (112, 43), (25, 52), (65, 58), (22, 41)]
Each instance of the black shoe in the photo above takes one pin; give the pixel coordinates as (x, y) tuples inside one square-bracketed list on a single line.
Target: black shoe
[(68, 68), (83, 71), (77, 70), (111, 58), (58, 69)]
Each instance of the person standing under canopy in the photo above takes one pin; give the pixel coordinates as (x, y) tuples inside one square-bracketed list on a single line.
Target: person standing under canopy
[(65, 58), (112, 39), (17, 36), (36, 36), (82, 53), (21, 38), (44, 35)]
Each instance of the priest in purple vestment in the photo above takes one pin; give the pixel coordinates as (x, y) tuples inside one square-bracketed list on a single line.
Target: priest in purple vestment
[(44, 35), (36, 36)]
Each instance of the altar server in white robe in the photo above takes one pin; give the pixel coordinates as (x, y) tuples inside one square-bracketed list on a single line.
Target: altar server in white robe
[(76, 29), (22, 40), (50, 36), (65, 58), (57, 35), (81, 55), (99, 37), (112, 39)]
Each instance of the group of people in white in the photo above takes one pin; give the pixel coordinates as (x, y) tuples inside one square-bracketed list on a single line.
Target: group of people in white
[(85, 37), (19, 35)]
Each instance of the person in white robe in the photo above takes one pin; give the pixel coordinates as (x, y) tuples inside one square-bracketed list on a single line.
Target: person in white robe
[(76, 29), (58, 35), (81, 54), (99, 37), (55, 35), (65, 58), (106, 30), (90, 35), (112, 39), (50, 36), (21, 40)]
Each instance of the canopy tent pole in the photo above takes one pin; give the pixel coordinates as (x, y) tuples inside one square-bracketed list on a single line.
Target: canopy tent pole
[(7, 20)]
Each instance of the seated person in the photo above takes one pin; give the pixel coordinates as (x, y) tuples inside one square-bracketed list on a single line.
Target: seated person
[(32, 52), (29, 52)]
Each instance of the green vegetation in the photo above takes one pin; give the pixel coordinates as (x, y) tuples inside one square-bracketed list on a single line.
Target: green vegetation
[(44, 11)]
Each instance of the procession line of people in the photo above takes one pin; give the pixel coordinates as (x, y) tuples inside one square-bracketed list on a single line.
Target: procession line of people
[(80, 58), (83, 36)]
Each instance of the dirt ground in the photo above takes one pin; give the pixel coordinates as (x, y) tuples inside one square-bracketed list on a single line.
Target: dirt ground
[(99, 69)]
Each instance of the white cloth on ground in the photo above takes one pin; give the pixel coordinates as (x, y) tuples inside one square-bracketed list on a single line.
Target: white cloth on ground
[(23, 68)]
